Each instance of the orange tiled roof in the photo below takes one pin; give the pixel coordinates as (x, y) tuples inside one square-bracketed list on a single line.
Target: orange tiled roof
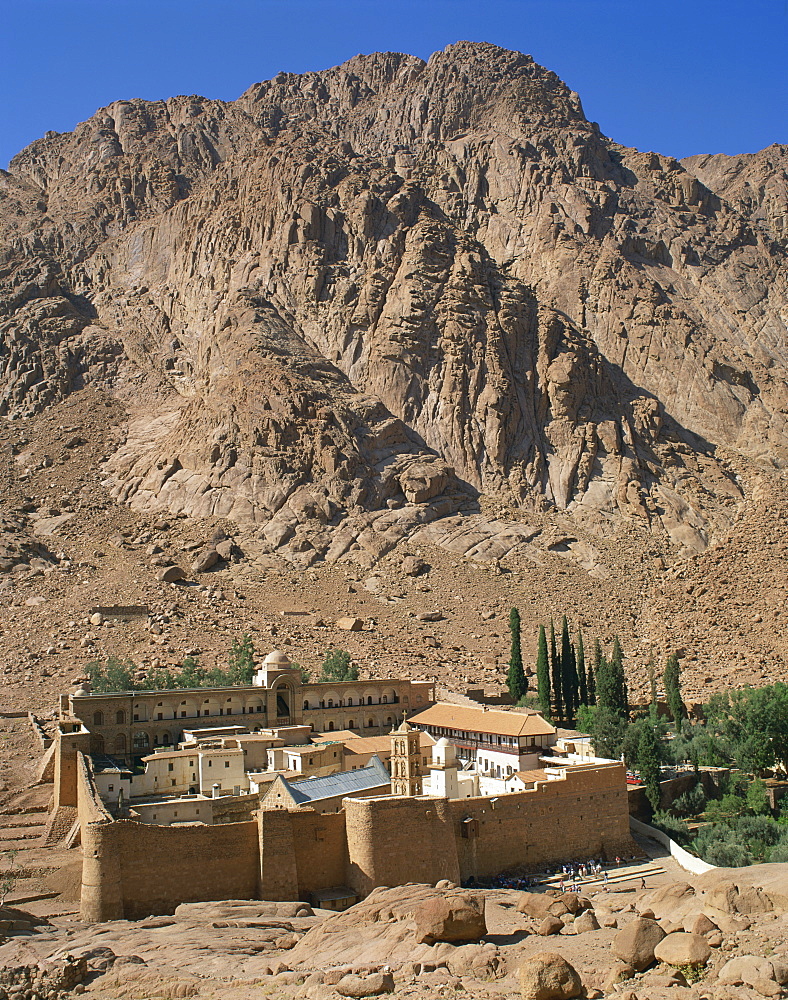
[(374, 744), (537, 775), (479, 720)]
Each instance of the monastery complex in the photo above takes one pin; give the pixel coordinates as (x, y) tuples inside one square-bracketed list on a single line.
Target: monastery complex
[(283, 790)]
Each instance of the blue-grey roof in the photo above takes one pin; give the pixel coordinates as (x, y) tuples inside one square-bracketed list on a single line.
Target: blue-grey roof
[(343, 783)]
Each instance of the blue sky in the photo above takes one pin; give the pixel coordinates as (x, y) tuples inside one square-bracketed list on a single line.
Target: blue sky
[(677, 77)]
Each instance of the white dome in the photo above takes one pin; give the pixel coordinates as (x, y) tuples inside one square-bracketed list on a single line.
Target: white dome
[(276, 658)]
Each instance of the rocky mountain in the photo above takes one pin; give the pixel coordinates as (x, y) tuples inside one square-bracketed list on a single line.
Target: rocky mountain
[(365, 303)]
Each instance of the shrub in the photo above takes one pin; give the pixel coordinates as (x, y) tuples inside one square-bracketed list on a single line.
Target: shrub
[(690, 803), (676, 829)]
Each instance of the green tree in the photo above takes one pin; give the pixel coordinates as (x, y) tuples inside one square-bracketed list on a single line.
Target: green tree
[(112, 675), (592, 674), (515, 678), (608, 732), (9, 877), (648, 758), (582, 677), (337, 666), (652, 681), (758, 798), (240, 660), (611, 691), (568, 673), (192, 675), (671, 680), (555, 670), (543, 674)]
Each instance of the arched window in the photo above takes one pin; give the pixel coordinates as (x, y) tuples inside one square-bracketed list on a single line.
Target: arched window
[(120, 744), (166, 739), (98, 718), (385, 700), (369, 700), (350, 702), (370, 724), (141, 741), (351, 724), (306, 706), (389, 721), (120, 718), (331, 727), (97, 744)]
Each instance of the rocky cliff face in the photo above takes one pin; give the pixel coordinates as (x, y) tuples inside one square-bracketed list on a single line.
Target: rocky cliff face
[(348, 303)]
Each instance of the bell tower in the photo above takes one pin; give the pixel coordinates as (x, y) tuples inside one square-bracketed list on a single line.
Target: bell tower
[(405, 760)]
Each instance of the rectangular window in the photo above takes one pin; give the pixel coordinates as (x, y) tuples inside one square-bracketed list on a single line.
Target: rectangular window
[(172, 781), (227, 763), (170, 767), (159, 716), (183, 715)]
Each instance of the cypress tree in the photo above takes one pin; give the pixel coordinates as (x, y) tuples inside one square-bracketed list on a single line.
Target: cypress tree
[(672, 681), (648, 760), (582, 679), (592, 668), (618, 680), (652, 680), (543, 674), (566, 671), (515, 678), (555, 664)]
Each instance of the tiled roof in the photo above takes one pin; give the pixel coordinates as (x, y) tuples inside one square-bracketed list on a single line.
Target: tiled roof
[(479, 720), (374, 775), (537, 775), (374, 744)]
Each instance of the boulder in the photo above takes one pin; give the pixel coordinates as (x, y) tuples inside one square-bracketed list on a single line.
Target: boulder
[(539, 905), (729, 898), (587, 921), (479, 961), (635, 943), (171, 575), (701, 925), (224, 549), (619, 973), (550, 925), (751, 969), (350, 624), (548, 976), (459, 917), (373, 985), (413, 566), (206, 560), (683, 949)]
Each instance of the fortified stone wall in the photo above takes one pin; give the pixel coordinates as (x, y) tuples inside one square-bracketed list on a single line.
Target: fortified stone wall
[(132, 869), (583, 816), (397, 839), (301, 852)]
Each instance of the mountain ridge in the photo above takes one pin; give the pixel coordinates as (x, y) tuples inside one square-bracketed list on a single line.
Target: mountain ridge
[(352, 304)]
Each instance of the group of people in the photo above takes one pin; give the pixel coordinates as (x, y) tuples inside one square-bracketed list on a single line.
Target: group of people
[(573, 875)]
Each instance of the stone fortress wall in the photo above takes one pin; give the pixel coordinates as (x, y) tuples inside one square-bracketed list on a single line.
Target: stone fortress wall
[(131, 869)]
